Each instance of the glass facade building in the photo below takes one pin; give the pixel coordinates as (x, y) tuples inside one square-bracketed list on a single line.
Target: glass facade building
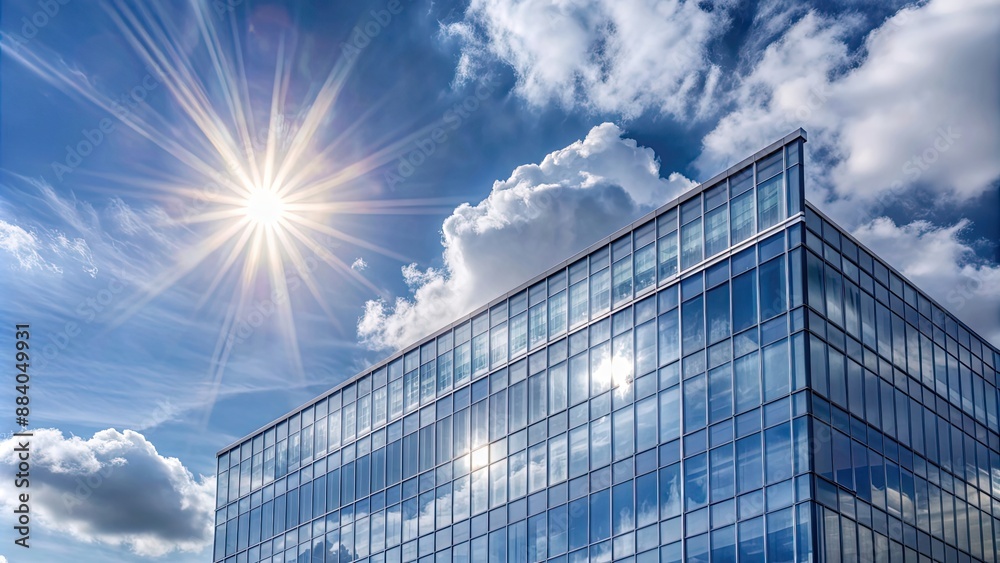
[(731, 378)]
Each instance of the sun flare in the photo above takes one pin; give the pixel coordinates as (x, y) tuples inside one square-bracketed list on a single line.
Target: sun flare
[(264, 208), (260, 172)]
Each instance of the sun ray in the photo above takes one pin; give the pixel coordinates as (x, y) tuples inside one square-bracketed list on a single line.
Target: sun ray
[(277, 193)]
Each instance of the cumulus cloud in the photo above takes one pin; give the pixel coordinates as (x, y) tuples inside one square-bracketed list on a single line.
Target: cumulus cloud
[(116, 489), (359, 265), (938, 261), (541, 214), (621, 56), (918, 106)]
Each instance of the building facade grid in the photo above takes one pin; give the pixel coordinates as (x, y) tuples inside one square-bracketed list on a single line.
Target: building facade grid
[(732, 378)]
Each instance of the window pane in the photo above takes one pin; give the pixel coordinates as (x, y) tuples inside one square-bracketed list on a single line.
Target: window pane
[(579, 460), (557, 314), (778, 441), (696, 481), (480, 354), (695, 413), (463, 363), (624, 433), (716, 231), (518, 471), (723, 473), (600, 515), (769, 202), (518, 334), (579, 378), (670, 491), (693, 317), (667, 255), (536, 395), (445, 372), (720, 394), (691, 244), (428, 385), (669, 337), (557, 459), (670, 414), (776, 373), (537, 331), (622, 279), (814, 282), (749, 473), (645, 348), (600, 441), (600, 368), (717, 304), (742, 215), (623, 508), (747, 382), (645, 413), (557, 388), (578, 304), (645, 267), (744, 301), (518, 404), (600, 292), (536, 467), (772, 288)]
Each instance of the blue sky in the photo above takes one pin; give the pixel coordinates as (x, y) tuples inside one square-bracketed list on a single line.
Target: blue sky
[(429, 156)]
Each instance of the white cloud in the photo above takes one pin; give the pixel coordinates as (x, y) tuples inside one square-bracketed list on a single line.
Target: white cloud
[(541, 214), (359, 265), (908, 111), (940, 263), (116, 489), (23, 247), (621, 56)]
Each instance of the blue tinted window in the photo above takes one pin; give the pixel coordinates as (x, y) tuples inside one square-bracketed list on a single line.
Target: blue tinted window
[(717, 313), (744, 301), (691, 244), (749, 474), (600, 515), (696, 481), (772, 288), (746, 373), (720, 394), (752, 541), (693, 319), (780, 537), (670, 491), (741, 213), (694, 403)]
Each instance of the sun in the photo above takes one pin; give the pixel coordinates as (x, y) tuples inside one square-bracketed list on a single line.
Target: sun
[(264, 208)]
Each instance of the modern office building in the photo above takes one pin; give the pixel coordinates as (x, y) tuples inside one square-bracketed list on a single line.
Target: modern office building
[(730, 378)]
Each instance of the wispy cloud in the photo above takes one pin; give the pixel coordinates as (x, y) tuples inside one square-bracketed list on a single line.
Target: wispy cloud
[(23, 249)]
